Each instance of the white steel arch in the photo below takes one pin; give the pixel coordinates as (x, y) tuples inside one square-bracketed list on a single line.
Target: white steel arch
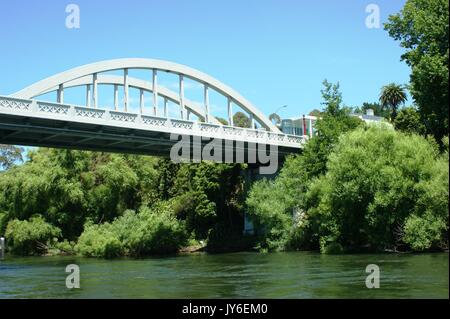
[(138, 84), (58, 81)]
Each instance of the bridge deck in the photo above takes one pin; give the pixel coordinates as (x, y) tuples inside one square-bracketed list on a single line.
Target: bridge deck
[(36, 123)]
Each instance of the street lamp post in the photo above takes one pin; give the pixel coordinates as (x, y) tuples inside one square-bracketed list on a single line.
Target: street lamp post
[(279, 109), (274, 115)]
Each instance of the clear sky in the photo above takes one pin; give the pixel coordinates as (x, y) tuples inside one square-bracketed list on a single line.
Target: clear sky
[(273, 52)]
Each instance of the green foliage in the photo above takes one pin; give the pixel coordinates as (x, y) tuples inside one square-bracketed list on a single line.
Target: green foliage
[(271, 204), (3, 223), (376, 179), (391, 97), (133, 234), (241, 120), (30, 237), (69, 187), (275, 118), (207, 194), (315, 112), (332, 98), (328, 130), (73, 188), (269, 216), (64, 247), (380, 189), (422, 28), (222, 120), (99, 241), (9, 155), (408, 121), (424, 232), (335, 121)]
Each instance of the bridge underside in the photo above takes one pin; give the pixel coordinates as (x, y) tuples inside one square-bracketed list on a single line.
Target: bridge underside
[(32, 131)]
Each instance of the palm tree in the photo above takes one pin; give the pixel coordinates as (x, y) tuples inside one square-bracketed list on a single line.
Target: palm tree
[(275, 118), (391, 96)]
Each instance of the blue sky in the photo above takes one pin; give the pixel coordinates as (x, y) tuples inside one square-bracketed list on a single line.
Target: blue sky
[(272, 52)]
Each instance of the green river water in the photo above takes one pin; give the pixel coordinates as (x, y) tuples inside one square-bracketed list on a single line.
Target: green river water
[(230, 275)]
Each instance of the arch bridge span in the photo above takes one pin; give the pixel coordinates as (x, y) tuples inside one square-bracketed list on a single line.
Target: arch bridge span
[(26, 119)]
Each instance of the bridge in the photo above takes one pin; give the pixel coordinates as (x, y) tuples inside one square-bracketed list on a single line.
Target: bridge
[(28, 119)]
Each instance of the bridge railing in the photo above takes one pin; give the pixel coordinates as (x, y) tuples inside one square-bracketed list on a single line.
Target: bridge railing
[(83, 114)]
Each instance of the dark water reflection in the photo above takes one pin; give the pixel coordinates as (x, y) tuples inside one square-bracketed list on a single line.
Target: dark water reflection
[(235, 275)]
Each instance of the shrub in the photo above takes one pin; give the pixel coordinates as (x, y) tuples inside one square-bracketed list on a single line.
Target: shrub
[(268, 212), (134, 234), (99, 241), (30, 237), (379, 180), (3, 222)]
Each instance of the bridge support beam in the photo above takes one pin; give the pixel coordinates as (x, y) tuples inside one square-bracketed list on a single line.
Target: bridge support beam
[(116, 97), (141, 100), (206, 101), (230, 112), (88, 95), (310, 128), (252, 121), (94, 87), (182, 97), (166, 107), (60, 94), (125, 90), (155, 92)]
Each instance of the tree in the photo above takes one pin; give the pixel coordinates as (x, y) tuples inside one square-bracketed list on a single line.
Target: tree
[(332, 98), (271, 204), (335, 121), (74, 189), (316, 113), (222, 121), (30, 237), (383, 190), (241, 120), (422, 27), (68, 187), (391, 97), (275, 118), (9, 155), (408, 121)]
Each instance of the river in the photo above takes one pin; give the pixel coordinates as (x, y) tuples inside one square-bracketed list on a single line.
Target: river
[(230, 275)]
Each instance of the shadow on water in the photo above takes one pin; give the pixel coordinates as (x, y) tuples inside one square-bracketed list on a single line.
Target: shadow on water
[(231, 275)]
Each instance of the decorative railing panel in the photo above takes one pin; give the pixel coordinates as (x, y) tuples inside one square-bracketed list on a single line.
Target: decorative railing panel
[(16, 104), (54, 108), (188, 125), (154, 121), (123, 116), (89, 112)]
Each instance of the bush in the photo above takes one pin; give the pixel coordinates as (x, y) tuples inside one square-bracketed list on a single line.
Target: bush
[(408, 121), (30, 237), (268, 212), (424, 232), (3, 223), (150, 232), (64, 247), (99, 241), (134, 234), (382, 189)]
